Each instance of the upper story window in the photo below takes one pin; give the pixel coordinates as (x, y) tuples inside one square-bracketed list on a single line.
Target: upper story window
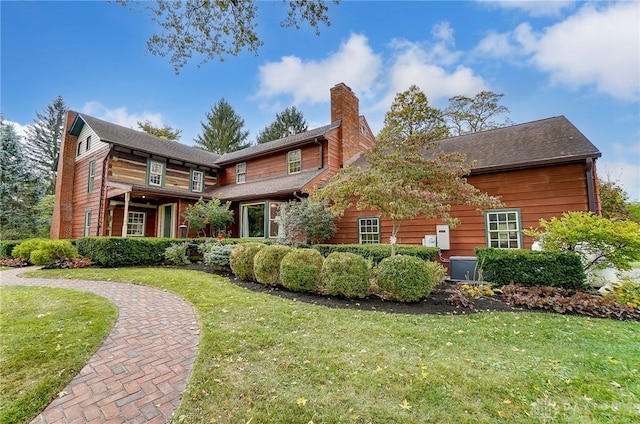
[(294, 161), (88, 144), (369, 230), (503, 229), (92, 176), (197, 181), (156, 173), (79, 149), (241, 173)]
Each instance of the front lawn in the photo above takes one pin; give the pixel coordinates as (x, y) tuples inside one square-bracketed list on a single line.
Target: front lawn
[(265, 359)]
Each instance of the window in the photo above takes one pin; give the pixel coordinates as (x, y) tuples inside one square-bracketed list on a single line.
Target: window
[(294, 161), (503, 229), (255, 221), (79, 149), (197, 181), (156, 172), (368, 230), (135, 223), (241, 173), (87, 222), (88, 144), (92, 176)]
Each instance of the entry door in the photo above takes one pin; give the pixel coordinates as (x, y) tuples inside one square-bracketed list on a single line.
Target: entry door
[(167, 221)]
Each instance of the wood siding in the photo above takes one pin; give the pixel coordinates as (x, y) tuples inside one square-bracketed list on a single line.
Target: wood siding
[(537, 193), (84, 200)]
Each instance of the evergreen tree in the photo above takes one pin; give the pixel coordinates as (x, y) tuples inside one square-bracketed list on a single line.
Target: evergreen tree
[(166, 132), (288, 122), (43, 138), (223, 132), (20, 188)]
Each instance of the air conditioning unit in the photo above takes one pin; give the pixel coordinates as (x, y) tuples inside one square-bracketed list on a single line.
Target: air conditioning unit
[(463, 268)]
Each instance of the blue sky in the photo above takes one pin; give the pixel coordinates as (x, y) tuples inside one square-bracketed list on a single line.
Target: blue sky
[(578, 59)]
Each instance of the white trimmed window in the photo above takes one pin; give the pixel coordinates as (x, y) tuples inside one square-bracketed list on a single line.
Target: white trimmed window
[(197, 181), (294, 161), (368, 230), (241, 173), (135, 224), (87, 223), (88, 144), (92, 176), (156, 171), (503, 229)]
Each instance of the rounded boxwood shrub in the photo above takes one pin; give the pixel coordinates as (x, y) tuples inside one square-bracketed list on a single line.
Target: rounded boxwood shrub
[(51, 251), (407, 278), (266, 264), (345, 274), (300, 270), (241, 260), (24, 249)]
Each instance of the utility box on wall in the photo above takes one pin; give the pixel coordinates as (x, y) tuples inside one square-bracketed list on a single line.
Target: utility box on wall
[(463, 268), (442, 237)]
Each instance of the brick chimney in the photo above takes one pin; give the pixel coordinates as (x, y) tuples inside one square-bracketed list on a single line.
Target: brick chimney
[(344, 107), (62, 219)]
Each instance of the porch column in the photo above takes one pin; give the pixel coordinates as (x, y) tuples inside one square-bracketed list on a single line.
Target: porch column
[(125, 220)]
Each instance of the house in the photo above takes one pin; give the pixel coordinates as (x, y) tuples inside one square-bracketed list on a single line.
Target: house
[(114, 181)]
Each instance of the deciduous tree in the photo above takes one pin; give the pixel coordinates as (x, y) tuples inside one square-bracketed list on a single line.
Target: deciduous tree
[(306, 221), (212, 213), (43, 139), (223, 132), (288, 122), (466, 115), (216, 29), (166, 132), (613, 200)]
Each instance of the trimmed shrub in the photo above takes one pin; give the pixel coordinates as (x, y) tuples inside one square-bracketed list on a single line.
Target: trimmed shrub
[(241, 260), (531, 268), (300, 270), (50, 252), (7, 246), (266, 264), (377, 252), (345, 274), (24, 249), (216, 254), (176, 254), (124, 251), (407, 278)]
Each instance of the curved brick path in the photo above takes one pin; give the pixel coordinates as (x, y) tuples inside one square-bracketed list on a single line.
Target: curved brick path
[(140, 371)]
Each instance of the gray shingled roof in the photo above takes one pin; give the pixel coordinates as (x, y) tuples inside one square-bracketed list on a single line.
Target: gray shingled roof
[(275, 145), (267, 187), (138, 140), (547, 141)]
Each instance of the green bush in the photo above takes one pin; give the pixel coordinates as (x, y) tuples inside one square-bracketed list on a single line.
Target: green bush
[(241, 260), (24, 249), (49, 252), (7, 246), (124, 251), (300, 270), (377, 252), (176, 254), (266, 264), (407, 278), (345, 274), (531, 268), (216, 254)]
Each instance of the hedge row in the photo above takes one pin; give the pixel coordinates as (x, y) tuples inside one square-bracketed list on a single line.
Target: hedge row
[(531, 268), (377, 252)]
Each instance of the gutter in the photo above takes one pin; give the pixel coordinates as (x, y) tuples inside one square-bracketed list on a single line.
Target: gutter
[(591, 193)]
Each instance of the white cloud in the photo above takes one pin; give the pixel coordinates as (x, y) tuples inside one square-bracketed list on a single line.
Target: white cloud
[(534, 8), (354, 63), (597, 47), (625, 174), (121, 116)]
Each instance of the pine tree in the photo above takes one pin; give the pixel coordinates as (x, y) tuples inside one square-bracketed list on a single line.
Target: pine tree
[(20, 189), (223, 132), (288, 122), (43, 138)]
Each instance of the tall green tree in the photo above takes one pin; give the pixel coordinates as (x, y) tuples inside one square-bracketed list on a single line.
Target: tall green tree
[(288, 122), (466, 115), (410, 116), (614, 200), (404, 180), (223, 132), (20, 188), (166, 132), (215, 29), (43, 138)]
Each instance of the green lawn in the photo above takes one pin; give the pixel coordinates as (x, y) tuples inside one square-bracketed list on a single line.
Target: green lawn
[(264, 359), (47, 337)]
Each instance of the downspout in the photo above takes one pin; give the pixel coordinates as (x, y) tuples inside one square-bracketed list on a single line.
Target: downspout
[(103, 189), (591, 193), (315, 140)]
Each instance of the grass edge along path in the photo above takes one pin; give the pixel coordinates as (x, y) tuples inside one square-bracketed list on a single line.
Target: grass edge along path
[(265, 359), (48, 335)]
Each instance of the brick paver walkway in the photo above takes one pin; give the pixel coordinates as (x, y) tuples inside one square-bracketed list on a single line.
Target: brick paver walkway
[(141, 370)]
